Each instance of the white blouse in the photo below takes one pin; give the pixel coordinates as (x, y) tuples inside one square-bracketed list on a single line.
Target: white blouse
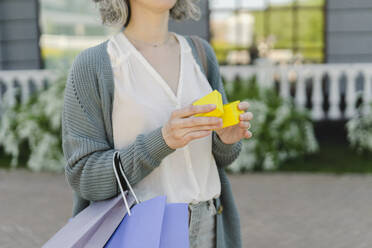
[(143, 101)]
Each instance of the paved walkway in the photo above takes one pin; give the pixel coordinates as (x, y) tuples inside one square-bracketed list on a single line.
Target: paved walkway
[(277, 210)]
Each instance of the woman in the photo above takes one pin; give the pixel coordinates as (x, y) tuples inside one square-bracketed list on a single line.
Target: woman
[(133, 93)]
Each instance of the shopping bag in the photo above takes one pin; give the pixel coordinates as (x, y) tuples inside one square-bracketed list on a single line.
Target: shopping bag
[(150, 224), (93, 226)]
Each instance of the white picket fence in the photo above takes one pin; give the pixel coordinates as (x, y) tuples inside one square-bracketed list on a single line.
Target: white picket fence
[(22, 83), (353, 81)]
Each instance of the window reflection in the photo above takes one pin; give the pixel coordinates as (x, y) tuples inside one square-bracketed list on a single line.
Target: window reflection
[(284, 31)]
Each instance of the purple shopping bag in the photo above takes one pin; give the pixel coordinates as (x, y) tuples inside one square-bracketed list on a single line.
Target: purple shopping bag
[(151, 224), (92, 227)]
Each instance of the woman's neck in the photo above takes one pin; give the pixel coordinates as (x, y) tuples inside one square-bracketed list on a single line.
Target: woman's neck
[(146, 24)]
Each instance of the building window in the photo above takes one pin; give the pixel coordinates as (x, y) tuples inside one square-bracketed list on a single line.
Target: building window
[(285, 31)]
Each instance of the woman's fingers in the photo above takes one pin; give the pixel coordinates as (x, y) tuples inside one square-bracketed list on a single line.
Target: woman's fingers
[(199, 121), (191, 110), (245, 124), (196, 135), (247, 116), (243, 105), (202, 128), (181, 133), (191, 127), (247, 134), (244, 119)]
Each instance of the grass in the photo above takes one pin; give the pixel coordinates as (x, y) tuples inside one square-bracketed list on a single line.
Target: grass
[(332, 158), (335, 154)]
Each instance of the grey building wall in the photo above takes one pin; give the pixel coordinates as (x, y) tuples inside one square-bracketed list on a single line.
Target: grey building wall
[(19, 35), (349, 31), (191, 27)]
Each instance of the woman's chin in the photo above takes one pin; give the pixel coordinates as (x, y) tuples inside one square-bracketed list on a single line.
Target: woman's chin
[(160, 5)]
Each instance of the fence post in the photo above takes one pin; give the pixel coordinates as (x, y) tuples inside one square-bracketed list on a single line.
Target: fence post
[(350, 111), (367, 95), (265, 72), (317, 96), (284, 82), (334, 95), (300, 97)]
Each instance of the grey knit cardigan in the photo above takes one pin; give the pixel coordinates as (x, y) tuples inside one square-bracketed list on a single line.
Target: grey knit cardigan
[(87, 139)]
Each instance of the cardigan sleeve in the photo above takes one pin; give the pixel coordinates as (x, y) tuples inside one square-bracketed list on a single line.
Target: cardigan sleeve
[(224, 154), (84, 139)]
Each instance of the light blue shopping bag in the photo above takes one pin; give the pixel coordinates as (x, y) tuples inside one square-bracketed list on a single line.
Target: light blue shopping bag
[(150, 224)]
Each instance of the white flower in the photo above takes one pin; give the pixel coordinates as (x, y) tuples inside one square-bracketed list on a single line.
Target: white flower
[(269, 163), (359, 132), (39, 123)]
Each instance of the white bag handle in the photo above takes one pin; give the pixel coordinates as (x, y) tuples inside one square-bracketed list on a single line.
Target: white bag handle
[(126, 180)]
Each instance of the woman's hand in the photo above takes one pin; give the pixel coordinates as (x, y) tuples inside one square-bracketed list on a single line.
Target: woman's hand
[(232, 134), (182, 127)]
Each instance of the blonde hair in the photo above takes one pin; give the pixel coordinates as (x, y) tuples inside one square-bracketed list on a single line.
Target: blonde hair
[(118, 11)]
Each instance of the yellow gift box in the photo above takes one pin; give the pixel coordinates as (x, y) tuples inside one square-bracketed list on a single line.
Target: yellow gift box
[(231, 114), (228, 112), (214, 97)]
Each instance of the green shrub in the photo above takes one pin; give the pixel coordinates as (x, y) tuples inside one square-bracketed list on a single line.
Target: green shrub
[(37, 122), (280, 130), (359, 132)]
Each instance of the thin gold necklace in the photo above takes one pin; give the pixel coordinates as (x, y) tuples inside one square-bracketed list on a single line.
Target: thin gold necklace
[(152, 44)]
